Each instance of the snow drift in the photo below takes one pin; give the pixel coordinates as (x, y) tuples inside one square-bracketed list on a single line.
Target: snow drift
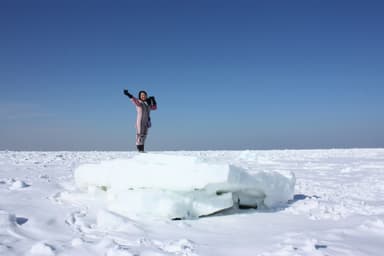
[(174, 186)]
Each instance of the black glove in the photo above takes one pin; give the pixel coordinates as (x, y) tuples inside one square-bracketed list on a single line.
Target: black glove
[(151, 101), (128, 94), (154, 101)]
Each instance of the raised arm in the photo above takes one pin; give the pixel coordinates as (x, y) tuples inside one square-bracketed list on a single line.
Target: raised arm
[(152, 103), (127, 94), (133, 99)]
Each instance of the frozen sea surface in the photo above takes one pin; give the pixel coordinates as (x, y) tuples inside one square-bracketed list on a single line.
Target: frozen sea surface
[(337, 209)]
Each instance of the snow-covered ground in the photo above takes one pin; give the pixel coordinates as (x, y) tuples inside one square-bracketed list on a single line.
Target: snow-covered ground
[(337, 208)]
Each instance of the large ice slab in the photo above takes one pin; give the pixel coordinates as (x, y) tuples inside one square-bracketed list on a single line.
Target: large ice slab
[(175, 186), (152, 171), (168, 204)]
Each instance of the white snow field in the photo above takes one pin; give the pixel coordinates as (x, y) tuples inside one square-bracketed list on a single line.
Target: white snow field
[(310, 202)]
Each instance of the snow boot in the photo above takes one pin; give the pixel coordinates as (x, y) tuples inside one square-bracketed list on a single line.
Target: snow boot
[(140, 148)]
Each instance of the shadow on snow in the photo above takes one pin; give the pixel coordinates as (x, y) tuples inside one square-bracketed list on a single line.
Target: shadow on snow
[(237, 209)]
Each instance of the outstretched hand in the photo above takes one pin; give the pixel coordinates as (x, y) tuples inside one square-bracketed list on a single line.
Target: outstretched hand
[(127, 93)]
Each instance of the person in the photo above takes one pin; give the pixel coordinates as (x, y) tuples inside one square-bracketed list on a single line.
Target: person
[(144, 105)]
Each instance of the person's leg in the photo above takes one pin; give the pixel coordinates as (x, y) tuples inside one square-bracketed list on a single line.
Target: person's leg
[(140, 140), (141, 134)]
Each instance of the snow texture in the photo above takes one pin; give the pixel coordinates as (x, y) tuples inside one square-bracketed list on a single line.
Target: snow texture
[(337, 207)]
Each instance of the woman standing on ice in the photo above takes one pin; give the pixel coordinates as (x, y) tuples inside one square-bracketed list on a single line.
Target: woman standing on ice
[(144, 105)]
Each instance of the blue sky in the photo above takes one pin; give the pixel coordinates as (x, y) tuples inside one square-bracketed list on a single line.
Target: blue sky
[(226, 74)]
